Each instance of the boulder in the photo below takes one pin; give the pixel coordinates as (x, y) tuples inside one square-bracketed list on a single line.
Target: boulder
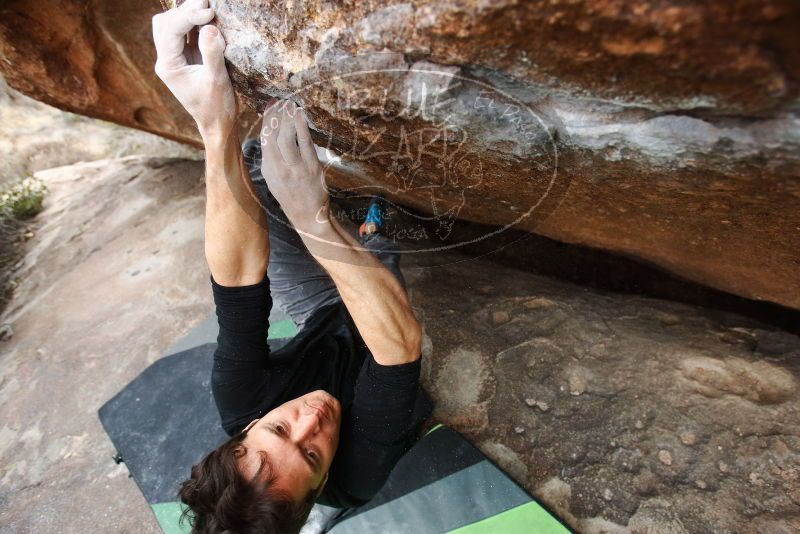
[(94, 59), (661, 131)]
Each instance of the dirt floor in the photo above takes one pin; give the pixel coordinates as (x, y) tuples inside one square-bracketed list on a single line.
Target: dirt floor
[(34, 137), (60, 364), (624, 413)]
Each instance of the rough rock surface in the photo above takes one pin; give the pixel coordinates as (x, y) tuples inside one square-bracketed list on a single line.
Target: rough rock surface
[(657, 129), (91, 58), (94, 59), (622, 413), (625, 414), (644, 128)]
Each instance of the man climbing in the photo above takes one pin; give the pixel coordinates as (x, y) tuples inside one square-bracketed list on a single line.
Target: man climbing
[(327, 416)]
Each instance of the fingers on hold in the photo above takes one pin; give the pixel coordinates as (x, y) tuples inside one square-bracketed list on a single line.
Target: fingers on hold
[(188, 15), (210, 32), (193, 4), (288, 110), (304, 141), (161, 22), (273, 115), (200, 17), (212, 47), (287, 134), (270, 123)]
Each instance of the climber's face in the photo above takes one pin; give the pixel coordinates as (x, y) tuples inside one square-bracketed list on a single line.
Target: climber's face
[(299, 438)]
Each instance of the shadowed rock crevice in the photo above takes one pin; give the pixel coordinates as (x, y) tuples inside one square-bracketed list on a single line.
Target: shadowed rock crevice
[(582, 265)]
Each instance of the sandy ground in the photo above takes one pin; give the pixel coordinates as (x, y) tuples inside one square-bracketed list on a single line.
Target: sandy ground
[(115, 275), (63, 480)]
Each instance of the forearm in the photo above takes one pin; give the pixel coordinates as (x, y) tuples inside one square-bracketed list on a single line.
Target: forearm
[(236, 236), (376, 300)]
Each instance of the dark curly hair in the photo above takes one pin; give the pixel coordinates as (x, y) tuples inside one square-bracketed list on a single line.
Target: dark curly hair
[(220, 499)]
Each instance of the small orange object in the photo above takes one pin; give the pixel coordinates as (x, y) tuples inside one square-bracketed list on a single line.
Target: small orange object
[(367, 228)]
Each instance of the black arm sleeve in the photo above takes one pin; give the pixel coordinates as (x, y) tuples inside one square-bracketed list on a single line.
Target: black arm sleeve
[(379, 430), (240, 377)]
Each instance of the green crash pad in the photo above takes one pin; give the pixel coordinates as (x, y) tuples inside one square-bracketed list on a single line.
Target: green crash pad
[(165, 421)]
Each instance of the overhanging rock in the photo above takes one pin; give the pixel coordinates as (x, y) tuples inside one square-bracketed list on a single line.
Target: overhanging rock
[(658, 130)]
